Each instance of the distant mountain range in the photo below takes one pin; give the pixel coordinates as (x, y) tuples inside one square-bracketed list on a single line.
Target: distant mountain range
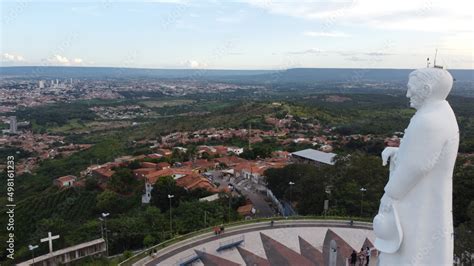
[(294, 75)]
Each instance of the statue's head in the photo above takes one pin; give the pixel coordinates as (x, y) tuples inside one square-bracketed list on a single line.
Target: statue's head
[(428, 84)]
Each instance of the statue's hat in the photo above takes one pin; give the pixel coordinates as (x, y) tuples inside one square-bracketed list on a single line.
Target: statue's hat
[(388, 230)]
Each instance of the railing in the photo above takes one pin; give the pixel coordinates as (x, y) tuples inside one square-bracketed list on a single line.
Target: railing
[(188, 259), (230, 243), (137, 257)]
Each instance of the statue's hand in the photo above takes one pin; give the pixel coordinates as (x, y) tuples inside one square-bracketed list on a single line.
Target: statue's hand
[(388, 153)]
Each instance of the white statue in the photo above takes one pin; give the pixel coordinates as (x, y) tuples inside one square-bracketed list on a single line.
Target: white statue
[(414, 225)]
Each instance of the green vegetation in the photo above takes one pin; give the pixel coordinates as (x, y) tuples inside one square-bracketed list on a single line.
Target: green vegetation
[(59, 114), (73, 213), (166, 103), (343, 180)]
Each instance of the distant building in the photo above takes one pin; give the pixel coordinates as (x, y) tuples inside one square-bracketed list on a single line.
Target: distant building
[(65, 181), (184, 177), (67, 255), (147, 196), (164, 152), (41, 84), (311, 156), (246, 210), (280, 154), (13, 125), (235, 150), (212, 197)]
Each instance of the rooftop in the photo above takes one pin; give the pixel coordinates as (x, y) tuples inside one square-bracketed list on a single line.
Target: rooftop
[(315, 155), (63, 251)]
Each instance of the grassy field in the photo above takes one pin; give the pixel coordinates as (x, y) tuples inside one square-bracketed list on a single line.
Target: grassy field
[(166, 103)]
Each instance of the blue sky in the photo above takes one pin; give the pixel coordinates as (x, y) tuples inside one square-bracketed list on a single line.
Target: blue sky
[(261, 34)]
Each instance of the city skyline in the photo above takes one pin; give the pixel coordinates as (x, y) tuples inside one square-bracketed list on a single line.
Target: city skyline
[(237, 35)]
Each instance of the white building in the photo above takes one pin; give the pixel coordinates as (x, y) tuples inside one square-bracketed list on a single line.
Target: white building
[(65, 256), (13, 125), (147, 196), (235, 150)]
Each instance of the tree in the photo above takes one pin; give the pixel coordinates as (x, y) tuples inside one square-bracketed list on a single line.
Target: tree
[(464, 238), (91, 183), (109, 201), (354, 172), (134, 165), (346, 178), (194, 215), (165, 186), (148, 241), (123, 181)]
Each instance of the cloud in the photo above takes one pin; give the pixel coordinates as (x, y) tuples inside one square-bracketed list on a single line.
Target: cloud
[(356, 59), (377, 54), (325, 34), (63, 60), (194, 64), (414, 15), (60, 59), (11, 58), (308, 51), (370, 60)]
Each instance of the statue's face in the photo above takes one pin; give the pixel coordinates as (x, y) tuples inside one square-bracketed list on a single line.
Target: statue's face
[(415, 92)]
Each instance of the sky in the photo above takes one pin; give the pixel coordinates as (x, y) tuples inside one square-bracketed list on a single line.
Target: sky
[(246, 34)]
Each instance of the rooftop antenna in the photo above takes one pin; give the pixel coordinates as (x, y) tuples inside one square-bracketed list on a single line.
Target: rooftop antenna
[(434, 63)]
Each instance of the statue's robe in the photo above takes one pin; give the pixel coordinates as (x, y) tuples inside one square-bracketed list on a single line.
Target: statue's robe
[(421, 184)]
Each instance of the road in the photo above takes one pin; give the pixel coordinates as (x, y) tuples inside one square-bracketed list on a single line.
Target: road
[(250, 190)]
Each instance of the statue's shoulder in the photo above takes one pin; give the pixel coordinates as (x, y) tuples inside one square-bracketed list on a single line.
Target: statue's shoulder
[(428, 121)]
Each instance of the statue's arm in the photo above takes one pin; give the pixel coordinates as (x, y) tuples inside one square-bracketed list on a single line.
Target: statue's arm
[(422, 152)]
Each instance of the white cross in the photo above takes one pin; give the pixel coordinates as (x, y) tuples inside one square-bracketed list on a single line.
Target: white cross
[(50, 240)]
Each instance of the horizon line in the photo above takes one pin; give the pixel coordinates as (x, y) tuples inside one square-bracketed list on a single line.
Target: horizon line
[(227, 69)]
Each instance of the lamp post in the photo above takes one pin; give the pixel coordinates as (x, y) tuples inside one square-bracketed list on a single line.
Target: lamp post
[(362, 190), (231, 188), (32, 249), (171, 219), (327, 190), (101, 227), (291, 184), (104, 217), (291, 192)]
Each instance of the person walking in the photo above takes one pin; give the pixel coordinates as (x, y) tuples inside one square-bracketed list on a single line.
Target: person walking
[(353, 258), (367, 256), (361, 257)]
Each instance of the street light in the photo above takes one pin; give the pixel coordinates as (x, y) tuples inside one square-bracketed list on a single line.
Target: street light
[(104, 218), (101, 227), (291, 192), (362, 190), (32, 249), (231, 188), (327, 190), (171, 221)]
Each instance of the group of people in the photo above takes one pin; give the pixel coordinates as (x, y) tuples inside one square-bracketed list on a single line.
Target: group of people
[(218, 230), (363, 257)]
